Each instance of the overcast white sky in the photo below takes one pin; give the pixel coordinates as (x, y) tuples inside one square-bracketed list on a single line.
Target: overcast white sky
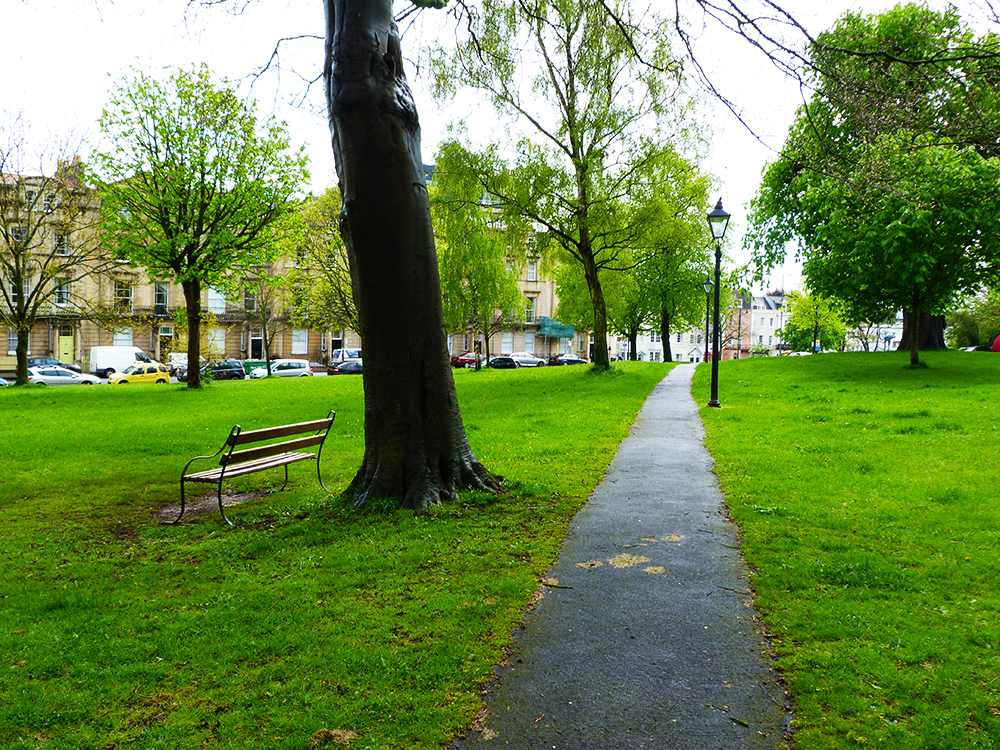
[(59, 58)]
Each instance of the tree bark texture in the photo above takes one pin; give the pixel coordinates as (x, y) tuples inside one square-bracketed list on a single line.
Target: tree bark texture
[(415, 443), (192, 300)]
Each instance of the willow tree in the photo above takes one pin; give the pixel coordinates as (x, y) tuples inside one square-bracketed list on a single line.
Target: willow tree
[(480, 262), (416, 447), (586, 81)]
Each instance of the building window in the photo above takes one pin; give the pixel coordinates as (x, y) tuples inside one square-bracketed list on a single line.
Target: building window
[(62, 243), (29, 199), (507, 342), (19, 236), (654, 338), (11, 341), (122, 337), (62, 292), (529, 312), (161, 295), (217, 342), (680, 338), (770, 340), (529, 342), (249, 300), (123, 298), (300, 341), (771, 323), (655, 356), (49, 202), (532, 270), (760, 339), (216, 302)]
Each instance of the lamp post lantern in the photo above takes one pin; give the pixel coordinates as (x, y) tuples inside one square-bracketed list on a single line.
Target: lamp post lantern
[(707, 286), (718, 221)]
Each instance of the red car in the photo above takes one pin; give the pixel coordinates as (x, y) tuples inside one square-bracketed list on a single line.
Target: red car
[(464, 360)]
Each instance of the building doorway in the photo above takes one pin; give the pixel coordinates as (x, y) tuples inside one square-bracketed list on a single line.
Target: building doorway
[(257, 343), (66, 348)]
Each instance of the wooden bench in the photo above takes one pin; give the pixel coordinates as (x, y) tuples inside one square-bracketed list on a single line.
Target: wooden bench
[(253, 457)]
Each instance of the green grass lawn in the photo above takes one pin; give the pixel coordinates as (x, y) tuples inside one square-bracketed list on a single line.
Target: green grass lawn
[(118, 632), (868, 499)]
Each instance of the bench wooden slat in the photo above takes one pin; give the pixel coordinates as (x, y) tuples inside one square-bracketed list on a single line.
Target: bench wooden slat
[(248, 467), (270, 433), (252, 454)]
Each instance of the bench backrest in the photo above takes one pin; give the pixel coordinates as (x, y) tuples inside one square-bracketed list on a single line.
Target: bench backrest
[(319, 427)]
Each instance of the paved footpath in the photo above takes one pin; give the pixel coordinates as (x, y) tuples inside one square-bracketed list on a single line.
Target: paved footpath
[(648, 640)]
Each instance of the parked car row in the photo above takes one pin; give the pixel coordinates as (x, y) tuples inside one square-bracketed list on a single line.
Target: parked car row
[(519, 359)]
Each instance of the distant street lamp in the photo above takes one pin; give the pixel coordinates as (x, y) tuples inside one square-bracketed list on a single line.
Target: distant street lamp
[(739, 324), (707, 286), (718, 221)]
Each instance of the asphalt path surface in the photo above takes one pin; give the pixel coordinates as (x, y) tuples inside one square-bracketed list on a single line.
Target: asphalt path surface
[(646, 636)]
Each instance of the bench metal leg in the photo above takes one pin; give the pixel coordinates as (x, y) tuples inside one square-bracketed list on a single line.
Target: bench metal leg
[(178, 519), (221, 510)]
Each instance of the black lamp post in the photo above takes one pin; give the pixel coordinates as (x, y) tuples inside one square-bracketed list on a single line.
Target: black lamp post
[(707, 286), (718, 221)]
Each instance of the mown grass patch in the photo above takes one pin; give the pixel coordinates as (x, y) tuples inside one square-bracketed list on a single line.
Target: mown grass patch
[(867, 497), (118, 632)]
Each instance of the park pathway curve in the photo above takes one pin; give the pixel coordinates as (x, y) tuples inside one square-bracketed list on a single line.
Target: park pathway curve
[(647, 636)]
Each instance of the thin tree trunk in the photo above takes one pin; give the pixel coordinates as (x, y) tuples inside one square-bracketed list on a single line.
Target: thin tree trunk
[(601, 356), (415, 443), (21, 352), (665, 336), (192, 299)]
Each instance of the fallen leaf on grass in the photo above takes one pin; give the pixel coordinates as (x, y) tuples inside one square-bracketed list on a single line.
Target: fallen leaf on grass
[(338, 736)]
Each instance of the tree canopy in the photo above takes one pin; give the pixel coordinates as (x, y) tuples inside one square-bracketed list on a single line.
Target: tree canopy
[(594, 88), (886, 214), (194, 188)]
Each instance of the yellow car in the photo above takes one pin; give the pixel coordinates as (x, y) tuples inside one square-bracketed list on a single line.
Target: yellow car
[(141, 373)]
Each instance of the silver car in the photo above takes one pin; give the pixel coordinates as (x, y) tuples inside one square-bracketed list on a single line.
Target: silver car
[(285, 368), (51, 375), (524, 359)]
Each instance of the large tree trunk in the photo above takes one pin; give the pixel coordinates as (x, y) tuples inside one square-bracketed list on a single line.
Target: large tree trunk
[(192, 300), (929, 329), (415, 443)]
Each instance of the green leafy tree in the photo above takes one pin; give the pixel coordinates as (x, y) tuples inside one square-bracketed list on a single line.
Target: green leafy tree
[(813, 323), (587, 81), (194, 189), (479, 260), (885, 217)]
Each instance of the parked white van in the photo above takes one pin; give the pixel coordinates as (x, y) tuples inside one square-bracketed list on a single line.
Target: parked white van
[(105, 360), (342, 355)]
